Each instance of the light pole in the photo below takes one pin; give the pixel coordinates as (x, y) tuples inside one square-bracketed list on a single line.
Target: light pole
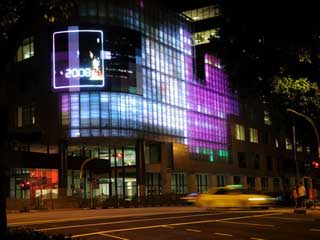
[(294, 136)]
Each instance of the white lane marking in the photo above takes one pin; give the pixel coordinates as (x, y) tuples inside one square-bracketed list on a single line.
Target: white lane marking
[(314, 230), (224, 219), (167, 226), (286, 218), (125, 221), (173, 224), (251, 224), (224, 234), (256, 238), (112, 236), (192, 230)]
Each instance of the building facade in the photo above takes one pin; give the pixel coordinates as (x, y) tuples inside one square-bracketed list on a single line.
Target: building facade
[(118, 88)]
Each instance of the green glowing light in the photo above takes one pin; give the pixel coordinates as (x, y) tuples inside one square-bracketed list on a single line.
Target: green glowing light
[(223, 153)]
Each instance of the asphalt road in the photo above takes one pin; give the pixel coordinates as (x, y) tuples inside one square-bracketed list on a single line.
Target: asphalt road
[(178, 223)]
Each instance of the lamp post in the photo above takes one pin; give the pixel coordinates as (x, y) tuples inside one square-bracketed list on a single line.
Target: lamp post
[(294, 136)]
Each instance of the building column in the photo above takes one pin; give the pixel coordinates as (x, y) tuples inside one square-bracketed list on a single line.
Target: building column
[(191, 181), (166, 168), (270, 183), (258, 184), (244, 182), (213, 180), (63, 167), (140, 167), (229, 180)]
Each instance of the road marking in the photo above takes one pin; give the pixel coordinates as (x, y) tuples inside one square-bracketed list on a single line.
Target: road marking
[(167, 226), (192, 230), (314, 230), (224, 234), (112, 236), (225, 219), (125, 221), (173, 224), (285, 218), (251, 224), (94, 217), (256, 238)]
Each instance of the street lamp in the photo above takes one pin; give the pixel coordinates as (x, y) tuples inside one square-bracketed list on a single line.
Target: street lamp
[(294, 136)]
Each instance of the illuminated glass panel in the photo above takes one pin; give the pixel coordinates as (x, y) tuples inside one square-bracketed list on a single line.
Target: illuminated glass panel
[(26, 49), (254, 135), (288, 144), (267, 118), (240, 134), (203, 13), (204, 36)]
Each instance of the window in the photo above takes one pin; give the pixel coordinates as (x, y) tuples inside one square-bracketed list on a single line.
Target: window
[(242, 160), (152, 153), (25, 50), (240, 134), (267, 119), (178, 183), (203, 13), (153, 183), (236, 180), (299, 147), (202, 182), (269, 163), (308, 149), (254, 135), (221, 181), (204, 37), (288, 144), (26, 115), (276, 184), (251, 181), (264, 184), (265, 137)]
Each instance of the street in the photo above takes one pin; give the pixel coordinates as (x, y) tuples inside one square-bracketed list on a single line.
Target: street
[(173, 223)]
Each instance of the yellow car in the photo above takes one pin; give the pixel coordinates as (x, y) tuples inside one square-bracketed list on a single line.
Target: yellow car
[(232, 196)]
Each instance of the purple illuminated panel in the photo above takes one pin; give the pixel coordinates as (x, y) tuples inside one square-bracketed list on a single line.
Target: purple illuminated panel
[(77, 59), (209, 105)]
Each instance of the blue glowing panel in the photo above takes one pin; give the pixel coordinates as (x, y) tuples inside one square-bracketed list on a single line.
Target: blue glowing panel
[(77, 59)]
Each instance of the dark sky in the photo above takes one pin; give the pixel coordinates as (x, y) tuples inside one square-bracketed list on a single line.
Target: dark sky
[(180, 5)]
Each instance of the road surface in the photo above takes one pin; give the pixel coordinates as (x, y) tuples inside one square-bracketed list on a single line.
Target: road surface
[(176, 223)]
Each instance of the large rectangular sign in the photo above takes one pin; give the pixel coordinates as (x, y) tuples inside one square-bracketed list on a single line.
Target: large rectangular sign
[(78, 59)]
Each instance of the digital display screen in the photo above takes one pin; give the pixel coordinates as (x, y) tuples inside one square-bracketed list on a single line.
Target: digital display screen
[(123, 68), (108, 59), (78, 59)]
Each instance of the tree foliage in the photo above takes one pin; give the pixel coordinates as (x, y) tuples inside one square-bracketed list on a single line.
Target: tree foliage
[(21, 17), (18, 18), (267, 46)]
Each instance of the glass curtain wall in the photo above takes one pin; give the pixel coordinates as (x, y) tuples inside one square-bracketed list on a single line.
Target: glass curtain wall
[(173, 104)]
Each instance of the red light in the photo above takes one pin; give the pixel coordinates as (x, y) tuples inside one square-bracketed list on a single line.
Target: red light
[(315, 164), (119, 155)]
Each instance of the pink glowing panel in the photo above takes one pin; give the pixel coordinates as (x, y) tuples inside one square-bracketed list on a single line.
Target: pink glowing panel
[(209, 105)]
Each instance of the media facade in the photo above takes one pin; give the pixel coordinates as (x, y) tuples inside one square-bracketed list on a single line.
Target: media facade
[(172, 104)]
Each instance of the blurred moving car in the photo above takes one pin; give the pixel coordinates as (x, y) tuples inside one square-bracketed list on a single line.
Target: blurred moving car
[(190, 198), (232, 196)]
